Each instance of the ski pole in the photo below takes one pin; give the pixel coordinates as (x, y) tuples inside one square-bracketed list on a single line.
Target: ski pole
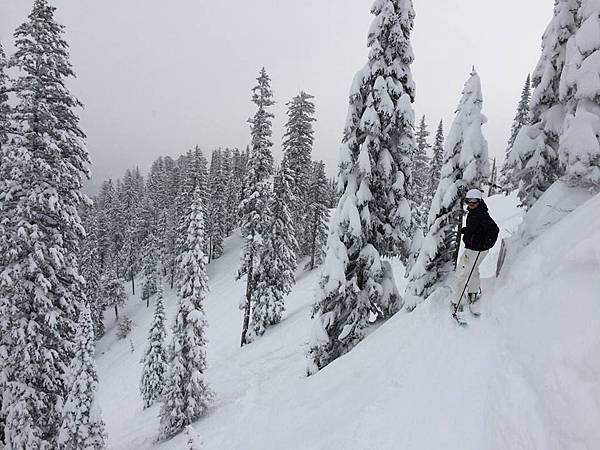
[(466, 284)]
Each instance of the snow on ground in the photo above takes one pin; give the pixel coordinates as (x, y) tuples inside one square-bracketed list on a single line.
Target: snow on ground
[(526, 375)]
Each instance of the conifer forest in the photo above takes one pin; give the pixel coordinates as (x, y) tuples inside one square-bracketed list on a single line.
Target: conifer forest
[(256, 296)]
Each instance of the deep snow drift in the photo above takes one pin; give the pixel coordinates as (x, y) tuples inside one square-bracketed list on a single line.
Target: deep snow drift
[(526, 375)]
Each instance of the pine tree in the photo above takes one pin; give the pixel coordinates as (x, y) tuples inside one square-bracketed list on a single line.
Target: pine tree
[(91, 272), (130, 254), (82, 425), (231, 198), (216, 206), (155, 356), (150, 268), (437, 160), (274, 277), (41, 291), (466, 166), (579, 145), (535, 151), (297, 148), (132, 193), (317, 215), (240, 163), (508, 182), (255, 205), (112, 290), (186, 396), (420, 175), (194, 177), (5, 110), (103, 205), (124, 329), (117, 230), (170, 242), (373, 216)]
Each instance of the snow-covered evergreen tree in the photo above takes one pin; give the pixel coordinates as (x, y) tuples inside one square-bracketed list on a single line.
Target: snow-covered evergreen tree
[(124, 329), (92, 273), (437, 160), (317, 215), (579, 148), (420, 175), (216, 226), (231, 198), (117, 229), (155, 357), (274, 277), (508, 181), (194, 177), (131, 254), (113, 292), (535, 151), (131, 198), (4, 106), (186, 396), (41, 291), (297, 148), (240, 163), (103, 205), (151, 268), (82, 426), (373, 217), (466, 166), (255, 210)]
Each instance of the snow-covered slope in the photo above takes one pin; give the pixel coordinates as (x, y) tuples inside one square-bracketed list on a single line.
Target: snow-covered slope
[(526, 375)]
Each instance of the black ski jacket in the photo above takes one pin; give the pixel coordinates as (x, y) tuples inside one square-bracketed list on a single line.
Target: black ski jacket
[(481, 231)]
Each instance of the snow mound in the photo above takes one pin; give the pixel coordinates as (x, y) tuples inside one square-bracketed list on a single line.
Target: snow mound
[(558, 201)]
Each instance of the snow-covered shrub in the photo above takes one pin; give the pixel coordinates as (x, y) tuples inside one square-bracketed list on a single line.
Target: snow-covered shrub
[(125, 327)]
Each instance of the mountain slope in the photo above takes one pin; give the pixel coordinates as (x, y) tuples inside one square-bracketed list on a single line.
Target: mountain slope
[(526, 375)]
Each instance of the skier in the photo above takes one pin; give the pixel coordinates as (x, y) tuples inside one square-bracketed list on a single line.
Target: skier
[(479, 236)]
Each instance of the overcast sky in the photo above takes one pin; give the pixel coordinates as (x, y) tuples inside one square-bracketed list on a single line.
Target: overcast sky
[(158, 77)]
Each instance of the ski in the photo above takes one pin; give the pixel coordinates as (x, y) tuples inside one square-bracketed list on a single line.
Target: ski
[(474, 314), (459, 320)]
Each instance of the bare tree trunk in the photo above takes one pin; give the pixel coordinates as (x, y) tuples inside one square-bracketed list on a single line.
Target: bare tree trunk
[(247, 306), (491, 189), (132, 282), (116, 312), (172, 276)]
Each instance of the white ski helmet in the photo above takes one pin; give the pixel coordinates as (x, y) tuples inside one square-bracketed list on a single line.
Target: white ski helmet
[(474, 193)]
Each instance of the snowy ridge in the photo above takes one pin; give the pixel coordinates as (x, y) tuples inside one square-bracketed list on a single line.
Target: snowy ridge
[(526, 375)]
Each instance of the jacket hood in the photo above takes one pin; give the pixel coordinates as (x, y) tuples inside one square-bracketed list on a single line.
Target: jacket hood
[(481, 208)]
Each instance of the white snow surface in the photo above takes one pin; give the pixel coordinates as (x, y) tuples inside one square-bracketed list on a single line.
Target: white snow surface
[(526, 375)]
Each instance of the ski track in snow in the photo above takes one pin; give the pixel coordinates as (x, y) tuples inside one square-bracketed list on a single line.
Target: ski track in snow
[(525, 375)]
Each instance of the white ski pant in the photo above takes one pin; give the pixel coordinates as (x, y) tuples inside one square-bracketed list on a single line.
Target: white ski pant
[(469, 261)]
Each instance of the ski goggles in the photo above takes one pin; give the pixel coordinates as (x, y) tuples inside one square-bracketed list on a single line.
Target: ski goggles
[(472, 200)]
